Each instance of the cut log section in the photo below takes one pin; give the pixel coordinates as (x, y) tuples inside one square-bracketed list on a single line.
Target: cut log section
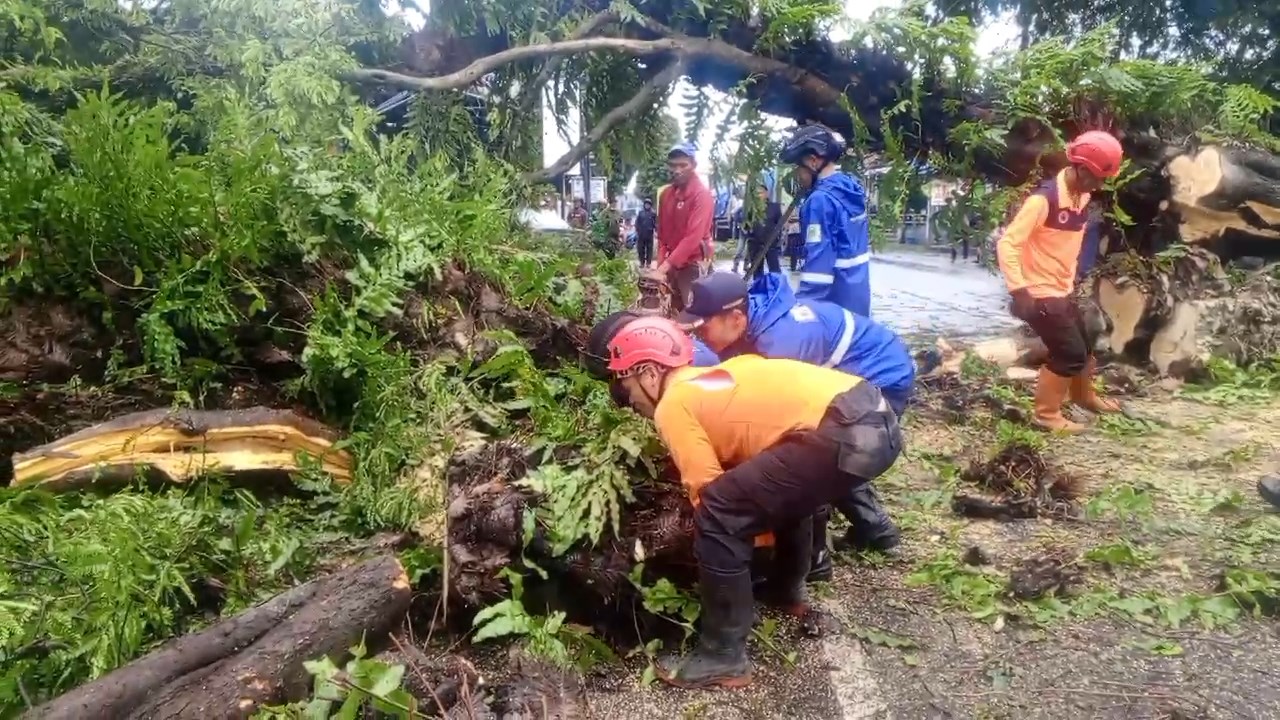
[(178, 445), (254, 659)]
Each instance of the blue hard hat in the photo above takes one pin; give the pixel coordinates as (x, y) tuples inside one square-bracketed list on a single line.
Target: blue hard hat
[(811, 140)]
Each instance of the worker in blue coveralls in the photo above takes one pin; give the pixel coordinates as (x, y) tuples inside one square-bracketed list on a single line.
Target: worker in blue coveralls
[(766, 318), (833, 222)]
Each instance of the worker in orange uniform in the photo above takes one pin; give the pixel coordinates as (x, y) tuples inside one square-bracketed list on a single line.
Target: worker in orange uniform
[(1038, 254), (753, 460)]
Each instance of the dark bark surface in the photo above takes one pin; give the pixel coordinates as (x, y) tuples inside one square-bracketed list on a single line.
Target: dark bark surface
[(253, 659)]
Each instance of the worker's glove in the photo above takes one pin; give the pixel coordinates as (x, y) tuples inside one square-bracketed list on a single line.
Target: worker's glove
[(1024, 306)]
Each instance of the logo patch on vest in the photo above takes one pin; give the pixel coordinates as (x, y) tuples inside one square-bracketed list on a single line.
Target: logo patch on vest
[(715, 380), (803, 313)]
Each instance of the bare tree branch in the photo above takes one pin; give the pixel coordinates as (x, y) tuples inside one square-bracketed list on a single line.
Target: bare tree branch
[(637, 102), (472, 73), (534, 91), (685, 47), (813, 85)]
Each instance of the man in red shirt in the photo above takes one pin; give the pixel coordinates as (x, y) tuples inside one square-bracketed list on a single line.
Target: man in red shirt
[(686, 219)]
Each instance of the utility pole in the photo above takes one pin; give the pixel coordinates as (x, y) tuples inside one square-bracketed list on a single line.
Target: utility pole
[(586, 159)]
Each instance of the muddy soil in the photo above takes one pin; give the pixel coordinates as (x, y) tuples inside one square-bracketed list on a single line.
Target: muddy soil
[(1131, 624)]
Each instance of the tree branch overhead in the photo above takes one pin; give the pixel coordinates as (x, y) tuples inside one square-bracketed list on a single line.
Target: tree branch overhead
[(607, 123)]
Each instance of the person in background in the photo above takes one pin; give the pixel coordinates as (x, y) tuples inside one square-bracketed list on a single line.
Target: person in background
[(578, 215), (752, 460), (1039, 255), (739, 237), (765, 318), (686, 219), (795, 242), (646, 224), (761, 231), (833, 220)]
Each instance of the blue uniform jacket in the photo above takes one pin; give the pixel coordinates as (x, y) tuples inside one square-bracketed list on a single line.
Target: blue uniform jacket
[(703, 356), (825, 334), (836, 230)]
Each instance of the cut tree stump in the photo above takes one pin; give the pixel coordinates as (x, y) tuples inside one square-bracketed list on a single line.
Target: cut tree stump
[(234, 668), (177, 445)]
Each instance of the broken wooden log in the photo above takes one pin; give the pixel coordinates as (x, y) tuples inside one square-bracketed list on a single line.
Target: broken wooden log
[(1227, 198), (1170, 314), (179, 445), (1175, 312), (253, 659)]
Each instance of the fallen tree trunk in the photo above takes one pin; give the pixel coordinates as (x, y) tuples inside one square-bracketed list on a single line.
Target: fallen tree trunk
[(256, 658), (1170, 313), (178, 445)]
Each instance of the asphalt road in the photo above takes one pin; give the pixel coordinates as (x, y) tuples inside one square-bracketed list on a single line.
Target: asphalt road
[(923, 296)]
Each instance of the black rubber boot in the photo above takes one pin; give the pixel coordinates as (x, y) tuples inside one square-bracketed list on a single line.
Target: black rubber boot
[(870, 527), (820, 566), (720, 660), (785, 586), (1269, 489)]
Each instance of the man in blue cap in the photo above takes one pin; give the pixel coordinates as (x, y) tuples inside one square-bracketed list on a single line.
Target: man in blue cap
[(686, 221), (765, 317), (833, 222)]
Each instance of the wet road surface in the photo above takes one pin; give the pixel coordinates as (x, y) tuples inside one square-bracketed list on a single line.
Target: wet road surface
[(923, 296)]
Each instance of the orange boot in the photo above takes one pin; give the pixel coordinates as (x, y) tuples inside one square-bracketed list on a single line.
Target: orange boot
[(1084, 394), (1051, 391)]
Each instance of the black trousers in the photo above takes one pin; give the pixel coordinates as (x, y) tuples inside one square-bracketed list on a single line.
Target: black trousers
[(772, 259), (644, 249), (868, 520), (781, 488), (1058, 322), (795, 247)]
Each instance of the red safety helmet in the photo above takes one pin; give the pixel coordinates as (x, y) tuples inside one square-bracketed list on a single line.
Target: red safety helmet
[(649, 339), (1098, 151)]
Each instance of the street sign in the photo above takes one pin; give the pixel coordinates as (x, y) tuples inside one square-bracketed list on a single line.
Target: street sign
[(598, 187)]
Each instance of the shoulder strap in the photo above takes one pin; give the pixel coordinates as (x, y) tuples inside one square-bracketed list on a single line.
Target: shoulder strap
[(1049, 190)]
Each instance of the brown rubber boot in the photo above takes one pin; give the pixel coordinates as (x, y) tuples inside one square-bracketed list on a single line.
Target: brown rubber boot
[(1084, 394), (1051, 390)]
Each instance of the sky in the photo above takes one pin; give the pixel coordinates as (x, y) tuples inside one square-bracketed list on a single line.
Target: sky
[(1000, 34)]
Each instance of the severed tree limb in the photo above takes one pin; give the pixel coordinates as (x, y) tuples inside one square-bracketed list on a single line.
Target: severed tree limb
[(257, 658), (607, 123), (822, 91), (587, 28), (472, 73), (685, 47)]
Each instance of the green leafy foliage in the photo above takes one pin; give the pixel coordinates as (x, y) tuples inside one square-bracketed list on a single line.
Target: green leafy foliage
[(89, 583), (549, 637), (579, 504), (348, 693), (1228, 384)]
